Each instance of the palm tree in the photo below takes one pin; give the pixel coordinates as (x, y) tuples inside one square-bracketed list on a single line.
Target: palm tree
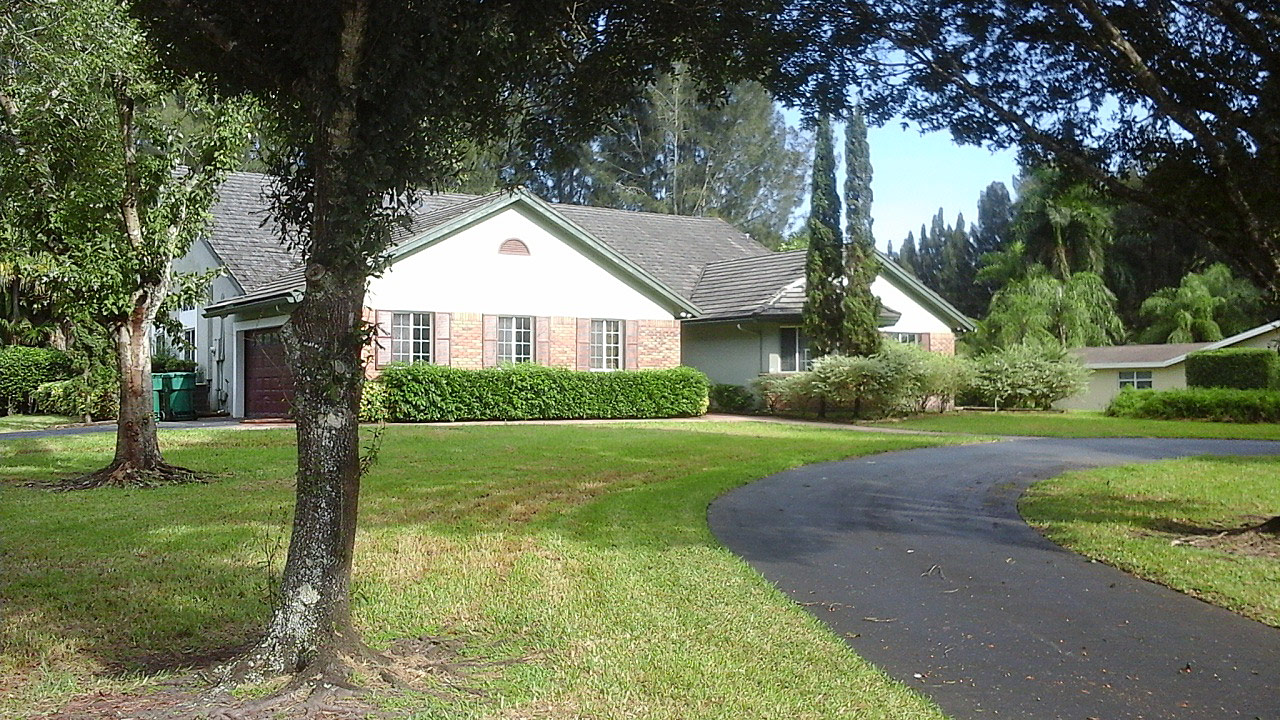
[(1204, 307), (1064, 227)]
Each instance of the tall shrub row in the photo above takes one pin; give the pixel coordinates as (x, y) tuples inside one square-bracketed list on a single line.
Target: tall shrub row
[(1240, 368), (1218, 404), (432, 393), (22, 369), (903, 379)]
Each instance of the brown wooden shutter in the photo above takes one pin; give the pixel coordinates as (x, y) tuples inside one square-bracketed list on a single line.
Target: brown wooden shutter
[(440, 348), (490, 327), (382, 339), (631, 344), (924, 341), (584, 344), (542, 340)]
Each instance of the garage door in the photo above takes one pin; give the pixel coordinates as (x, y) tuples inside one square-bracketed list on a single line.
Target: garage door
[(268, 377)]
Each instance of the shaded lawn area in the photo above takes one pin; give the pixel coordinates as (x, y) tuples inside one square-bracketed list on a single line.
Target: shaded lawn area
[(583, 550), (18, 423), (1130, 517), (1080, 424)]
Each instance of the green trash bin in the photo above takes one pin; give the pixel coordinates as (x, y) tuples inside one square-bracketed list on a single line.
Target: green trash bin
[(159, 395), (182, 396)]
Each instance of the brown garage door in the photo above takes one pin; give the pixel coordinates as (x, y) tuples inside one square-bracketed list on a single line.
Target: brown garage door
[(268, 377)]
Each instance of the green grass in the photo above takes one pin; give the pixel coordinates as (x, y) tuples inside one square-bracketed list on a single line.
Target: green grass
[(582, 549), (17, 423), (1128, 516), (1080, 424)]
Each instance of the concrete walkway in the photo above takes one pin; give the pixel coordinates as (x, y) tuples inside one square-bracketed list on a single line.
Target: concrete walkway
[(920, 561)]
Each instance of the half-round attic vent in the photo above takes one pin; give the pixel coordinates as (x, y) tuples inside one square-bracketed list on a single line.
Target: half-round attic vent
[(513, 247)]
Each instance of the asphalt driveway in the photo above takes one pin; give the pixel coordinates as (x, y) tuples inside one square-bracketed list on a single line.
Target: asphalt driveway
[(920, 561)]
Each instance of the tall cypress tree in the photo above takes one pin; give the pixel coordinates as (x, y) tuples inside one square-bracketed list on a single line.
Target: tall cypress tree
[(824, 263), (861, 332), (930, 251), (907, 255)]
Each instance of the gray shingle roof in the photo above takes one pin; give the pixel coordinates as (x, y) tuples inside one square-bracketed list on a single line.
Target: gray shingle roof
[(1156, 355), (764, 286), (671, 248)]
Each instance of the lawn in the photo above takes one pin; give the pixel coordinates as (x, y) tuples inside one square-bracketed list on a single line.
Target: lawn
[(1080, 424), (581, 550), (18, 423), (1130, 517)]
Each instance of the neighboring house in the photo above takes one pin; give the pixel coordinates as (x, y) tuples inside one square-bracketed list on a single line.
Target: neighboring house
[(478, 281), (1156, 367)]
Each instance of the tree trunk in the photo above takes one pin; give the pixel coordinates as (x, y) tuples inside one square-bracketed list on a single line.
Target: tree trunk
[(137, 461), (312, 622)]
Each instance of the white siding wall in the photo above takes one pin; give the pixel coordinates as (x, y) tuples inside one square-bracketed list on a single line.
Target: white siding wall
[(465, 273), (213, 335), (915, 318)]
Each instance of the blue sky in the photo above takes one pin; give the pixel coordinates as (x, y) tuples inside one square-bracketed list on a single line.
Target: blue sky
[(915, 174)]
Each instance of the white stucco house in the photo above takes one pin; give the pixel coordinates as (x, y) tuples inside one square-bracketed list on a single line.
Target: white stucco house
[(1157, 367), (478, 281)]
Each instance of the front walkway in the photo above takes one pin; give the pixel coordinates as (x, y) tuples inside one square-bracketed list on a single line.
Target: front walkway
[(920, 561)]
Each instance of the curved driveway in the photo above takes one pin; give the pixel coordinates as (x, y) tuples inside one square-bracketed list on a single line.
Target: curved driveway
[(920, 561)]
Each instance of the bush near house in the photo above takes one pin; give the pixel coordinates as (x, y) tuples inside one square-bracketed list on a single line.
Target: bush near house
[(22, 369), (1240, 368), (97, 396), (432, 393), (1025, 377), (732, 398), (899, 379), (1218, 404)]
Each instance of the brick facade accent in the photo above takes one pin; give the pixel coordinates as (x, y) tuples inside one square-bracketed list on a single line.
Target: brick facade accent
[(560, 342), (658, 344), (942, 343), (467, 341)]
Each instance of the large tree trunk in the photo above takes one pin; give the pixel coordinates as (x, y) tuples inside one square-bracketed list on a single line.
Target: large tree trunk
[(137, 460), (311, 624)]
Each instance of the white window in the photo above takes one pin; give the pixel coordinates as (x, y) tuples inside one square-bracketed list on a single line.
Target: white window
[(515, 339), (1136, 379), (411, 337), (606, 344), (907, 338), (189, 344), (795, 349)]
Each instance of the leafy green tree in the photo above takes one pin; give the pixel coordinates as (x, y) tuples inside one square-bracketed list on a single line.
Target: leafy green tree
[(824, 307), (1187, 91), (1064, 225), (861, 320), (1043, 310), (907, 255), (103, 192), (1204, 307), (373, 103)]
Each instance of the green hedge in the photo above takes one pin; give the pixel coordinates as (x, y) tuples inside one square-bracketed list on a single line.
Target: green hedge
[(431, 393), (98, 397), (1219, 404), (1240, 368), (732, 398), (22, 369)]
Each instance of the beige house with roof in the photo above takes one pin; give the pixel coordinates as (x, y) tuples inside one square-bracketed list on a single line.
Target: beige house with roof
[(1155, 367)]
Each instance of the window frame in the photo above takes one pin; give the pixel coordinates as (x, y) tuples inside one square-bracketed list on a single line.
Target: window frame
[(1137, 379), (600, 342), (513, 343), (800, 355), (418, 343), (189, 344), (901, 337)]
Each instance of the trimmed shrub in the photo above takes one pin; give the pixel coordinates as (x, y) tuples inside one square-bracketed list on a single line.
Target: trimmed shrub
[(732, 398), (1219, 404), (98, 397), (1026, 377), (373, 402), (432, 393), (163, 362), (22, 369), (1240, 368)]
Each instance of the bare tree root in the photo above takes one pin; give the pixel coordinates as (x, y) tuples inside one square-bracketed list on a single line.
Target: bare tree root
[(343, 681), (122, 474), (1271, 526)]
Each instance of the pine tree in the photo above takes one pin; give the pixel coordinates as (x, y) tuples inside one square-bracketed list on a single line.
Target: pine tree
[(824, 263), (907, 255), (889, 252), (993, 231), (957, 273), (930, 251), (861, 327)]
